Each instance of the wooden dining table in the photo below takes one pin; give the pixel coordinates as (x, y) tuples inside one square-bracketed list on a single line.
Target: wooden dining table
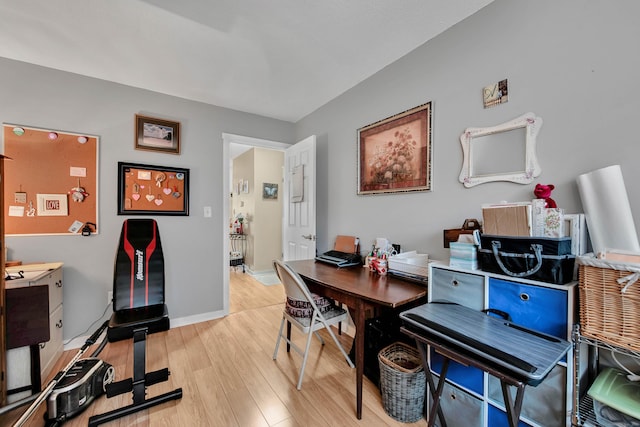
[(363, 292)]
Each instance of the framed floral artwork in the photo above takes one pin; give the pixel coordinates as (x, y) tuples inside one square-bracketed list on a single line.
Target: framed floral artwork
[(394, 154)]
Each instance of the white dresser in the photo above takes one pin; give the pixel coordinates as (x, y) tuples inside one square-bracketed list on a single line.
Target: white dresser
[(19, 359)]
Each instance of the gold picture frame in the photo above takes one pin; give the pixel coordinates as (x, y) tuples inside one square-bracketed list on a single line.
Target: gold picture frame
[(394, 154), (157, 135)]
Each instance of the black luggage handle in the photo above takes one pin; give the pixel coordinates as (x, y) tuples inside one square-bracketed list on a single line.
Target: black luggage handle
[(537, 252), (506, 316)]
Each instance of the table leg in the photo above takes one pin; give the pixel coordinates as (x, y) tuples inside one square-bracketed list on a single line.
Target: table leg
[(513, 408), (36, 381), (436, 392), (359, 323)]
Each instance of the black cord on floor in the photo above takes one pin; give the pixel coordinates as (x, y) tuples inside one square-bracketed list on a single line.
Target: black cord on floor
[(90, 326)]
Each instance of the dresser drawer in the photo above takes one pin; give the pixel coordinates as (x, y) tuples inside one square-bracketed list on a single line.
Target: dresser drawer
[(550, 394), (465, 376), (498, 418), (536, 307), (54, 281), (460, 408), (463, 288), (51, 350)]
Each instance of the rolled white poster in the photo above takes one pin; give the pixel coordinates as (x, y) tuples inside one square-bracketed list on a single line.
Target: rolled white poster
[(607, 210)]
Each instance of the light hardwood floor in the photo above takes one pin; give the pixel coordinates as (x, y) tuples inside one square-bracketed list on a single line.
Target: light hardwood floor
[(228, 377)]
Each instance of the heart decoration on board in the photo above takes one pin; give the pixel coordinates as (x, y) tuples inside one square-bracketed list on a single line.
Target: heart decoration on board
[(150, 197), (135, 196), (158, 202), (166, 191)]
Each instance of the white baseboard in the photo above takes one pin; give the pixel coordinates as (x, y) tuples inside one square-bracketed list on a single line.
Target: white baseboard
[(175, 323)]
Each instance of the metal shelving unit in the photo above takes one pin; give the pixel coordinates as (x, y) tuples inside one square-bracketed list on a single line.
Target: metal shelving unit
[(238, 247), (583, 414)]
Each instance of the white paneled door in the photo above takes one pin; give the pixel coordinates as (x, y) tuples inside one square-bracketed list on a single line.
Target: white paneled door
[(299, 230)]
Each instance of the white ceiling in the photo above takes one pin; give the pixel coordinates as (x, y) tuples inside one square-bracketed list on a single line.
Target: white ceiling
[(276, 58)]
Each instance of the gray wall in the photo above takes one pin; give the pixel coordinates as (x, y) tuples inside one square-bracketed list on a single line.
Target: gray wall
[(40, 97), (573, 63)]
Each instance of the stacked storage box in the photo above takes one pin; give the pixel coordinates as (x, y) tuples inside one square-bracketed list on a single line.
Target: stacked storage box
[(463, 255)]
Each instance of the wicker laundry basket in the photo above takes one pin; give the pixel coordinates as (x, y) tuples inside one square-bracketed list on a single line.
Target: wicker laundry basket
[(402, 382), (610, 301)]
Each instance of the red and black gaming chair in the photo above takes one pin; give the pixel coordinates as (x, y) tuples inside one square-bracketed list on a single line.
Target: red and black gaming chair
[(139, 309)]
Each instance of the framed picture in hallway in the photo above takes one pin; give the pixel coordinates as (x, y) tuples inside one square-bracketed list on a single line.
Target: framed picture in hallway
[(394, 154), (157, 135), (269, 191), (152, 190)]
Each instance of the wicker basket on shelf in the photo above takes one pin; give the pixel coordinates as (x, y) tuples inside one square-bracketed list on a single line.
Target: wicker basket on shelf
[(402, 382), (610, 301)]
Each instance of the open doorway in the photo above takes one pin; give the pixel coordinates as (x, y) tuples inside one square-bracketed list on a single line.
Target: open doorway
[(234, 146)]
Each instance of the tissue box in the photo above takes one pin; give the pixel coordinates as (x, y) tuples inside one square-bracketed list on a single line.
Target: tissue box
[(410, 263), (463, 255)]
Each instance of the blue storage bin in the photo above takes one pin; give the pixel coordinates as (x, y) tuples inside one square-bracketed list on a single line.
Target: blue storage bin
[(535, 307)]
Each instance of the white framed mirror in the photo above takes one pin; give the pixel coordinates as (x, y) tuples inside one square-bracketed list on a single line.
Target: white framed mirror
[(505, 152)]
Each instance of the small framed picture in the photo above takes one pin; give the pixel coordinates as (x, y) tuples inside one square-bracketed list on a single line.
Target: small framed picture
[(157, 135), (269, 191), (52, 205), (495, 94)]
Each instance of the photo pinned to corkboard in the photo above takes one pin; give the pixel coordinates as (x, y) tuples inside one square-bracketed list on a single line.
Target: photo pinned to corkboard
[(152, 190)]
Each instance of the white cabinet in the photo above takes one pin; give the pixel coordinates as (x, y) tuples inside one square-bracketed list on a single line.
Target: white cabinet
[(540, 306), (18, 359)]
